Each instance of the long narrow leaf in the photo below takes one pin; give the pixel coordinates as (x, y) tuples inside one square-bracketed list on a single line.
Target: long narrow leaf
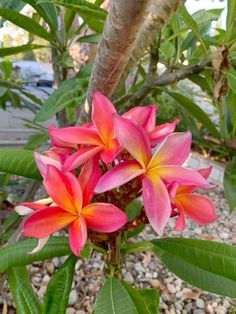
[(196, 112), (58, 290), (25, 23), (13, 50), (191, 23), (17, 254), (206, 264), (230, 184), (22, 291), (20, 162)]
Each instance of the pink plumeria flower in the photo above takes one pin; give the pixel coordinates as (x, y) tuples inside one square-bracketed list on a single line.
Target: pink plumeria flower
[(197, 207), (164, 167), (99, 136), (70, 208)]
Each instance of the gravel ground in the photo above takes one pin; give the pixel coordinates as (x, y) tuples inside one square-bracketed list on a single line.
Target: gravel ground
[(145, 270)]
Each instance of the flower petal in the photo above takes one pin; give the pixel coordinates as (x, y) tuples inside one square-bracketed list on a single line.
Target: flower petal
[(77, 235), (40, 245), (102, 116), (156, 202), (56, 141), (46, 221), (119, 175), (103, 217), (80, 157), (197, 207), (27, 208), (108, 154), (75, 135), (162, 131), (143, 115), (64, 189), (181, 175), (173, 150), (134, 139), (23, 210), (180, 220), (88, 178), (42, 162), (205, 172)]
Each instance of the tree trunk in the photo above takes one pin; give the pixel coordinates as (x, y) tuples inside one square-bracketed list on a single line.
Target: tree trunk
[(158, 14), (123, 23)]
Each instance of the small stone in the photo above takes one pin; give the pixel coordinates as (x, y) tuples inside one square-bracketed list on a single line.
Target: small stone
[(200, 303), (210, 309), (155, 283), (73, 297), (221, 310), (139, 268), (70, 310), (226, 304), (179, 294), (41, 291), (197, 311), (177, 288), (80, 312), (224, 235), (50, 268), (168, 280), (188, 307), (129, 278), (45, 281), (154, 275), (172, 311), (56, 261), (178, 306), (214, 304), (171, 288)]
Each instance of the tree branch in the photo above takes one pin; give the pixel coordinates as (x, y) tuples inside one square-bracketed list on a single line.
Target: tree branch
[(165, 79), (122, 25)]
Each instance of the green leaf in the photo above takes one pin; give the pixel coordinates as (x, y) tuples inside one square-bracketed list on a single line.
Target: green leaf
[(69, 18), (69, 93), (151, 298), (58, 289), (17, 254), (92, 39), (26, 23), (196, 112), (18, 49), (119, 298), (231, 78), (36, 140), (205, 264), (20, 162), (230, 184), (81, 6), (167, 49), (191, 23), (22, 291), (202, 82), (47, 11), (134, 231), (133, 209), (231, 9)]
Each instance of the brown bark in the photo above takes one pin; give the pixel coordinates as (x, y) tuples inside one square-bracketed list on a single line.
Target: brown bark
[(121, 29), (158, 14)]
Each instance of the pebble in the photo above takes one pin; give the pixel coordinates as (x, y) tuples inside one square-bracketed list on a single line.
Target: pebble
[(129, 278), (210, 309), (226, 304), (139, 268), (80, 312), (200, 303), (221, 310), (197, 311), (41, 291), (155, 283), (171, 288), (70, 310), (73, 297)]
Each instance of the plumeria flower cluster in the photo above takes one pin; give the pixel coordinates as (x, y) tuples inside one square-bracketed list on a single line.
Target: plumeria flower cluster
[(93, 171)]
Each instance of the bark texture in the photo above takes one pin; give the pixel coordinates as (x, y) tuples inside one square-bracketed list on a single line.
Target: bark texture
[(158, 14), (123, 23)]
